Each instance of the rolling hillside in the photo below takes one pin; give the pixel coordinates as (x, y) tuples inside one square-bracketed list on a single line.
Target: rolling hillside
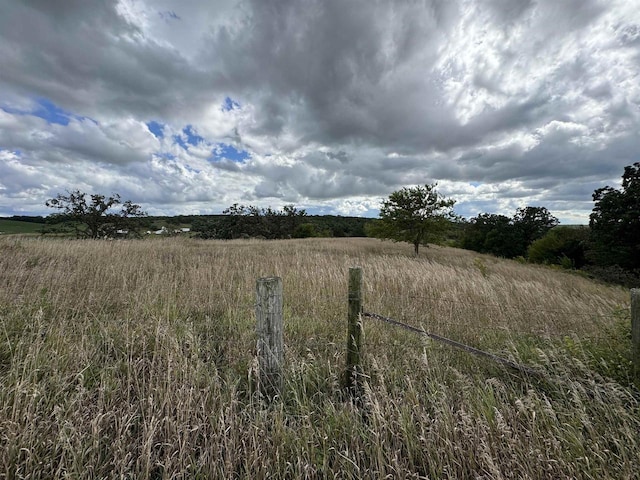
[(136, 360), (8, 226)]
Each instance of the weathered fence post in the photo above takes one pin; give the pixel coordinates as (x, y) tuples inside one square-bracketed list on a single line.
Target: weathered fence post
[(354, 333), (635, 330), (269, 328)]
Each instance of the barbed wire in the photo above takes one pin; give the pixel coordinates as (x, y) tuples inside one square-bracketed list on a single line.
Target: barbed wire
[(453, 343)]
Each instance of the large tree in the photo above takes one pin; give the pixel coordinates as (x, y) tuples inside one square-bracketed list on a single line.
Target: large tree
[(97, 216), (615, 222), (413, 214), (533, 223)]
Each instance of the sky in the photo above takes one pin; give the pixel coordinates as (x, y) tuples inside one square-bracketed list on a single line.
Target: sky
[(187, 107)]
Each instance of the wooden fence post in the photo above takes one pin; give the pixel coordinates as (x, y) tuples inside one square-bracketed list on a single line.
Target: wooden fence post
[(635, 330), (269, 328), (354, 332)]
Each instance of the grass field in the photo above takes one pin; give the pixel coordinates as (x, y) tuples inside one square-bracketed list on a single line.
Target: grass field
[(12, 226), (135, 359)]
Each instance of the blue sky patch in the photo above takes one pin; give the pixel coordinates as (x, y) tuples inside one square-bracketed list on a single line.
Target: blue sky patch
[(188, 137), (15, 151), (224, 150), (156, 128), (50, 112), (178, 139), (192, 137), (229, 104), (47, 110)]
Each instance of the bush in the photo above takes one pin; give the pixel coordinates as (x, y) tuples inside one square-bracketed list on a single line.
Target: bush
[(614, 274), (305, 230), (563, 246)]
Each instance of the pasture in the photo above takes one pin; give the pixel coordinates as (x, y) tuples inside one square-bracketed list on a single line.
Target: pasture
[(136, 359), (8, 226)]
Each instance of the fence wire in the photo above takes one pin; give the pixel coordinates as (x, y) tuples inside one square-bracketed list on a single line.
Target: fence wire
[(453, 343)]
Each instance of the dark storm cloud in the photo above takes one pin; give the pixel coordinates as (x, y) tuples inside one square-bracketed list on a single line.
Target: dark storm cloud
[(335, 102), (87, 57), (342, 71)]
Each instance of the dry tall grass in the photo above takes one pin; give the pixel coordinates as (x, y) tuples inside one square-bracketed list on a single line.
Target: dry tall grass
[(134, 360)]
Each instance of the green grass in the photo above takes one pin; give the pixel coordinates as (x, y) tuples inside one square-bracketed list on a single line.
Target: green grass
[(13, 227)]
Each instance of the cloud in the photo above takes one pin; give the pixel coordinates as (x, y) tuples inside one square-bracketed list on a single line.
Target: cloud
[(332, 105)]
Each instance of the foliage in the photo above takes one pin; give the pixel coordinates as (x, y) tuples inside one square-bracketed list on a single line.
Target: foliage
[(240, 221), (507, 237), (98, 217), (615, 222), (305, 230), (491, 233), (338, 226), (27, 218), (613, 274), (413, 214), (564, 246), (210, 226), (206, 227), (533, 223)]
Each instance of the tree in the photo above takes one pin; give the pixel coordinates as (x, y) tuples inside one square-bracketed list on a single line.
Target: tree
[(414, 215), (98, 217), (533, 223), (615, 222), (507, 237), (529, 225)]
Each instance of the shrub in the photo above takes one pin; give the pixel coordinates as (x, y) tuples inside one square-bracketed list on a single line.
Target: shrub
[(563, 246), (305, 230)]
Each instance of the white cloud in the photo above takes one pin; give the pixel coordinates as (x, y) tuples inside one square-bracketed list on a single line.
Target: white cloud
[(339, 104)]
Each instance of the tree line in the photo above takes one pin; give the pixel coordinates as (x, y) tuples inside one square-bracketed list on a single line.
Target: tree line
[(609, 247), (99, 216), (239, 221)]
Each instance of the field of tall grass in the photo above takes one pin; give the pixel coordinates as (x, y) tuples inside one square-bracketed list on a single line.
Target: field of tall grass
[(136, 359)]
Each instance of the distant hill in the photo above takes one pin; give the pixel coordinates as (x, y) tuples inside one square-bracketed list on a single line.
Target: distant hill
[(13, 225), (324, 225)]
